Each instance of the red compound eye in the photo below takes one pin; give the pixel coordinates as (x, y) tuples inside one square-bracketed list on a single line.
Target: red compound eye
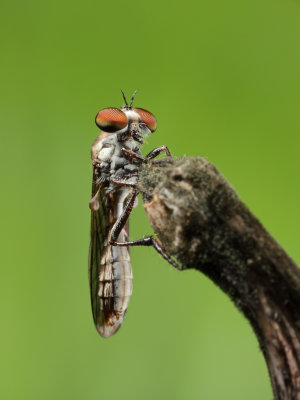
[(147, 118), (111, 119)]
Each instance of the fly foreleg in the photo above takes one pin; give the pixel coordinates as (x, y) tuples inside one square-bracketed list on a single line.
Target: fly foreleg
[(155, 152), (132, 156)]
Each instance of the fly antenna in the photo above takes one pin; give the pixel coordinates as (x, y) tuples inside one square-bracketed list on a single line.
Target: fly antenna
[(131, 101), (124, 98)]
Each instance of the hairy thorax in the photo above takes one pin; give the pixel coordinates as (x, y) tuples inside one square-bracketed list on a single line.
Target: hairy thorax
[(109, 160)]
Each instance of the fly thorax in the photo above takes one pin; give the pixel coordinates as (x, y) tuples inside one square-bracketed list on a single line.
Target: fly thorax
[(120, 166)]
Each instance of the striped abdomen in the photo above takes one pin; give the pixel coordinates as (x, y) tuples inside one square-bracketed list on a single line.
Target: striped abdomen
[(110, 273), (115, 287)]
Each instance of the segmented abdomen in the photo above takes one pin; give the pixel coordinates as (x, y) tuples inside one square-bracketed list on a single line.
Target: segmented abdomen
[(115, 287), (110, 268)]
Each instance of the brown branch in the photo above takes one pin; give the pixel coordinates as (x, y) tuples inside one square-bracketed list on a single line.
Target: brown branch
[(200, 221)]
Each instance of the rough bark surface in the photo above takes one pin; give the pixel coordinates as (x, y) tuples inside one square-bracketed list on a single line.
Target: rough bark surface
[(199, 219)]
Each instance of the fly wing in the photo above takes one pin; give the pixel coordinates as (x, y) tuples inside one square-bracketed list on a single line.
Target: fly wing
[(99, 237), (110, 271)]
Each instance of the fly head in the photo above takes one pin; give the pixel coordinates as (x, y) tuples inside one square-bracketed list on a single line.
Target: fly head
[(135, 122)]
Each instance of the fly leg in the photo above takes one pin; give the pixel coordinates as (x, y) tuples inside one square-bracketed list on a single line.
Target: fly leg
[(147, 241), (150, 241), (124, 182), (155, 152), (120, 223), (132, 156)]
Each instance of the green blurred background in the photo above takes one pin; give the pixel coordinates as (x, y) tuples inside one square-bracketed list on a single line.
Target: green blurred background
[(223, 80)]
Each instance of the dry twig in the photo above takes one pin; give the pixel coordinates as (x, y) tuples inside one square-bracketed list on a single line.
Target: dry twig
[(200, 221)]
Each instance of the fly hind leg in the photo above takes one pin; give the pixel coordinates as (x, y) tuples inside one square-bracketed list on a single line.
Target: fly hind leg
[(147, 241), (120, 223), (150, 241)]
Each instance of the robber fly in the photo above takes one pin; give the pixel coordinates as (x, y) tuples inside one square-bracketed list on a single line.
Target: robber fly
[(116, 158)]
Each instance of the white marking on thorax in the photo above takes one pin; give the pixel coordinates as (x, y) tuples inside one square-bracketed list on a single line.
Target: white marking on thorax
[(105, 153)]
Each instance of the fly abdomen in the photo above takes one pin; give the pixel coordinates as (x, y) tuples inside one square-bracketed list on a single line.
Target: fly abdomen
[(115, 279), (115, 288)]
